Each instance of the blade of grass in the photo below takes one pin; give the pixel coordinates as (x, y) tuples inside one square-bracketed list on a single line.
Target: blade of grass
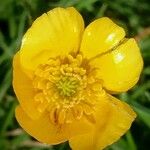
[(143, 113), (5, 84), (16, 43), (140, 90), (4, 46), (3, 57), (9, 118), (12, 27), (101, 11), (130, 140)]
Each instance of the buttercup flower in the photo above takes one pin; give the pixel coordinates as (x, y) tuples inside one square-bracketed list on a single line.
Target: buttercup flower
[(64, 75)]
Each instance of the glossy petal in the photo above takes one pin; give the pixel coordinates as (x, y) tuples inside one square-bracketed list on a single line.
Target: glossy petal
[(120, 69), (56, 33), (44, 131), (117, 122), (100, 36), (24, 89)]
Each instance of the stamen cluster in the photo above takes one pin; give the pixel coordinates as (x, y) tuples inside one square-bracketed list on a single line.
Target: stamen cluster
[(66, 88)]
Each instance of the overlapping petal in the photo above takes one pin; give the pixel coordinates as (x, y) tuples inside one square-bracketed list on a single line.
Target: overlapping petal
[(100, 36), (120, 68), (53, 34), (118, 121), (24, 89), (44, 131)]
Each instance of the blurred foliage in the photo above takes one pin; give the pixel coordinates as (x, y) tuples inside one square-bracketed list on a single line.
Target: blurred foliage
[(17, 15)]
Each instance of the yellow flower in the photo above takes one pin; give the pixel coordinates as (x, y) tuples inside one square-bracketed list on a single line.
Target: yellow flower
[(64, 74)]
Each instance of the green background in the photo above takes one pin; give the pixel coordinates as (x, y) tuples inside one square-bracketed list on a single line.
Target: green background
[(16, 16)]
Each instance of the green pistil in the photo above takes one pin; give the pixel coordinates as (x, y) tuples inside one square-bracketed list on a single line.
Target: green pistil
[(67, 86)]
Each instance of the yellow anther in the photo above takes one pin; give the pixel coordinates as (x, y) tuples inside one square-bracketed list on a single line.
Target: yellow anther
[(65, 89)]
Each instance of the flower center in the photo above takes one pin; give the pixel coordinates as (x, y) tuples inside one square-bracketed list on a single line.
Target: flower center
[(66, 88)]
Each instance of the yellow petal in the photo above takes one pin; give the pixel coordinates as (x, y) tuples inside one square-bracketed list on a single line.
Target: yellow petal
[(117, 122), (23, 89), (41, 129), (83, 142), (100, 36), (120, 69), (88, 141), (46, 132), (57, 32)]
